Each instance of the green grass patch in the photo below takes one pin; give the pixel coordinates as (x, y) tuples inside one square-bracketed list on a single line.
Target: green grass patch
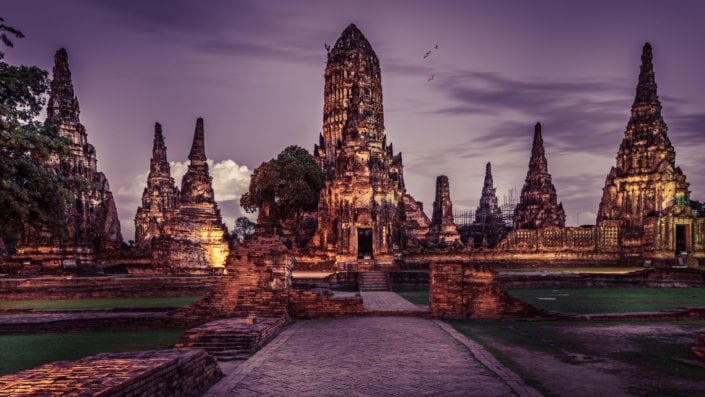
[(20, 352), (98, 303), (417, 297), (610, 300)]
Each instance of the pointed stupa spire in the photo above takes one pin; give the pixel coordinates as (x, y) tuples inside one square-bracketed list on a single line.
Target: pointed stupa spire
[(62, 104), (488, 176), (159, 166), (538, 161), (488, 211), (159, 148), (538, 205), (352, 37), (198, 148), (646, 89)]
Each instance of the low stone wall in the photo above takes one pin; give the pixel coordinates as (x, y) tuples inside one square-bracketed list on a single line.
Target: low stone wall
[(466, 290), (305, 304), (152, 373), (649, 278), (21, 324), (103, 287), (409, 280)]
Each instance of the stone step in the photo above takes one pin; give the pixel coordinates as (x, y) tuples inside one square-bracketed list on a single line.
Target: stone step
[(373, 281)]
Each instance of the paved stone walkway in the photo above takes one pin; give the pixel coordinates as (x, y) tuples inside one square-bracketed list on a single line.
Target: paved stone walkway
[(365, 356), (385, 301)]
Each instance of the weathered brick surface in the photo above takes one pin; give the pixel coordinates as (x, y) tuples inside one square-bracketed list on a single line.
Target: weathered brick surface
[(461, 290), (306, 304), (150, 373), (103, 287)]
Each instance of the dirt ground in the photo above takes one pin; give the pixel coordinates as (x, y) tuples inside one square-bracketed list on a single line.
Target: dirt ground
[(593, 359)]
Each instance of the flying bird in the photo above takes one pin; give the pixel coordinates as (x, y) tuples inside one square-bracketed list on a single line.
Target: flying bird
[(426, 54), (430, 78), (435, 47), (327, 47)]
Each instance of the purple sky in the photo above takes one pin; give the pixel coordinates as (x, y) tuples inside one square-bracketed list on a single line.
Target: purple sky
[(254, 71)]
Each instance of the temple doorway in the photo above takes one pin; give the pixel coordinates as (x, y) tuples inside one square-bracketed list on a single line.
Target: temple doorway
[(681, 239), (364, 243)]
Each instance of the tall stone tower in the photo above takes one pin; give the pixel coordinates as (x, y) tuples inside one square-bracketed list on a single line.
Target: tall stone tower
[(194, 238), (442, 230), (361, 208), (538, 204), (92, 222), (646, 194), (488, 212), (159, 197)]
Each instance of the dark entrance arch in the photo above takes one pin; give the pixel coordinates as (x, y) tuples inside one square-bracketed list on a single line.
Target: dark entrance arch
[(364, 243)]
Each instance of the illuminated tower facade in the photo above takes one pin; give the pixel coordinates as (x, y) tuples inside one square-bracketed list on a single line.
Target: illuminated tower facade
[(361, 209), (646, 194)]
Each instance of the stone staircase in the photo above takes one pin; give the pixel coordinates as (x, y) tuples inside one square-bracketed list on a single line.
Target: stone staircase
[(231, 339), (373, 281)]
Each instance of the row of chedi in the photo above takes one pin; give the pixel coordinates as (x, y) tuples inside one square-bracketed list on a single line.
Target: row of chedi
[(365, 216)]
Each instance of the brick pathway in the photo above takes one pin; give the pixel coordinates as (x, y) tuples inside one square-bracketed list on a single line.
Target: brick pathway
[(385, 301), (365, 356)]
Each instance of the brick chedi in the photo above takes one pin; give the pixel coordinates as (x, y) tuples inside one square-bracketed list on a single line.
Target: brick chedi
[(646, 194), (361, 210), (442, 230), (488, 212), (159, 197), (194, 238), (488, 227), (538, 204), (92, 222)]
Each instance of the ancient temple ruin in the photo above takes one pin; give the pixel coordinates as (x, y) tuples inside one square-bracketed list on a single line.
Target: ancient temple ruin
[(442, 231), (193, 238), (646, 194), (362, 206), (159, 197), (92, 223), (538, 203)]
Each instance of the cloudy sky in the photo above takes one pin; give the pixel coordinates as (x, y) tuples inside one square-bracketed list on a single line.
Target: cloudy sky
[(254, 71)]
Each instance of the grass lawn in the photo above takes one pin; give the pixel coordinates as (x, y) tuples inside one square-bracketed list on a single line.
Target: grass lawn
[(648, 358), (110, 303), (417, 297), (610, 300), (20, 352)]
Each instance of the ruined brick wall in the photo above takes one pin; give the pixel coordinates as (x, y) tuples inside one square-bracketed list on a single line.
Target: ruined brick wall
[(306, 304), (150, 373), (104, 287), (409, 280), (462, 290)]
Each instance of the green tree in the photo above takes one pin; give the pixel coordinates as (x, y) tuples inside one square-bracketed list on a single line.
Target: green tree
[(288, 186), (244, 229), (31, 196)]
